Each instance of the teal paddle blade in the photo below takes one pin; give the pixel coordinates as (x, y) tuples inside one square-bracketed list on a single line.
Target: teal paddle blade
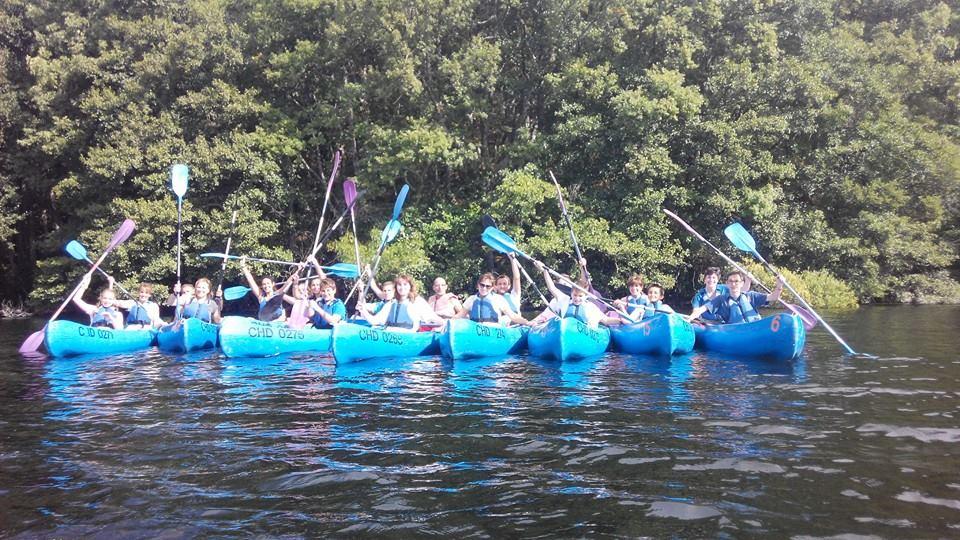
[(344, 270), (235, 293), (391, 231), (217, 255), (179, 177), (76, 250), (401, 198), (740, 238), (499, 241)]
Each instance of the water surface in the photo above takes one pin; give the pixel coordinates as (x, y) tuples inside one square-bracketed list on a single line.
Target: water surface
[(149, 444)]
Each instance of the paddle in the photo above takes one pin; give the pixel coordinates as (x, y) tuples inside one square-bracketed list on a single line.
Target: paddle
[(343, 270), (336, 224), (77, 251), (33, 341), (389, 233), (179, 177), (350, 195), (326, 199), (743, 241), (500, 241), (223, 266), (573, 236), (809, 321)]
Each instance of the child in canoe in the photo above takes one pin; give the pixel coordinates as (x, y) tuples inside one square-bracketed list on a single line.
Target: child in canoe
[(202, 306), (509, 288), (142, 312), (737, 305), (654, 304), (405, 312), (105, 312), (327, 310), (637, 298), (576, 304), (488, 307), (711, 289)]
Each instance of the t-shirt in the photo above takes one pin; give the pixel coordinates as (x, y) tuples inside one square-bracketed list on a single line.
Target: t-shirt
[(497, 302), (591, 313)]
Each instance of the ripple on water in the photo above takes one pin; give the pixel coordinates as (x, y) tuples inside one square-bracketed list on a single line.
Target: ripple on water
[(922, 434)]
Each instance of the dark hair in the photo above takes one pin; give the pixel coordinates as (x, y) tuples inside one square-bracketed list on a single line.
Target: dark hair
[(652, 285), (711, 271), (736, 273), (489, 276)]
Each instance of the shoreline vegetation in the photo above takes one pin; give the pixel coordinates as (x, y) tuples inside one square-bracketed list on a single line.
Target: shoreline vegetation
[(830, 129)]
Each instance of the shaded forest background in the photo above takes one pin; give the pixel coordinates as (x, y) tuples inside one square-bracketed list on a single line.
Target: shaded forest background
[(830, 128)]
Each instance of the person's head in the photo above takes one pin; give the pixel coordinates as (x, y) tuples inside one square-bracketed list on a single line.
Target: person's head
[(486, 284), (107, 297), (267, 285), (440, 286), (635, 285), (315, 287), (405, 287), (655, 292), (389, 291), (186, 290), (578, 294), (328, 289), (504, 284), (144, 292), (302, 290), (202, 288), (735, 281), (711, 276)]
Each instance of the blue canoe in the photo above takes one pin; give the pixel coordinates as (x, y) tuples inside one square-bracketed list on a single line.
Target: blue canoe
[(357, 342), (663, 334), (245, 336), (67, 338), (779, 337), (567, 339), (463, 338), (191, 335)]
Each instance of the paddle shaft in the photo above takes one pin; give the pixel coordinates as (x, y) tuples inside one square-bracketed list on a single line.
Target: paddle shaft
[(536, 288), (566, 217), (336, 224), (223, 265), (733, 263), (326, 199), (805, 304), (353, 222)]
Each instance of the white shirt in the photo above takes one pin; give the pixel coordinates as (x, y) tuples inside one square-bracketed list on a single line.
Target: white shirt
[(590, 311)]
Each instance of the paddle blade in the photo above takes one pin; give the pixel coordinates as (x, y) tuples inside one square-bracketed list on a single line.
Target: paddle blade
[(809, 320), (488, 221), (401, 198), (270, 307), (344, 270), (76, 250), (215, 255), (740, 238), (390, 232), (179, 177), (235, 293), (349, 191), (124, 232), (499, 240), (33, 342)]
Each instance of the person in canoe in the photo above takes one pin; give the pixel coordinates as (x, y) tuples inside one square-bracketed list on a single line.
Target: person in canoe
[(509, 288), (142, 312), (105, 312), (300, 311), (407, 311), (636, 299), (487, 306), (445, 304), (737, 305), (269, 298), (576, 304), (182, 294), (711, 289), (202, 306), (327, 310), (654, 304)]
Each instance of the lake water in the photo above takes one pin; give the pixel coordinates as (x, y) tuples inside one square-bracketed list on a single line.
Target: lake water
[(148, 444)]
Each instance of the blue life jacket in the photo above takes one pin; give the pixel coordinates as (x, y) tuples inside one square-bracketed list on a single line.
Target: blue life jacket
[(333, 307), (577, 312), (138, 314), (377, 307), (274, 315), (740, 310), (103, 316), (700, 298), (400, 315), (633, 302), (510, 303), (482, 311), (196, 310)]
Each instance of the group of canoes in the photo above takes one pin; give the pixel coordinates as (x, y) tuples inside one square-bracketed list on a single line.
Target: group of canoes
[(401, 323)]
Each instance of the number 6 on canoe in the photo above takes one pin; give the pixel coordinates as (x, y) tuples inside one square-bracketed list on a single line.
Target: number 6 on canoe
[(745, 242), (32, 343)]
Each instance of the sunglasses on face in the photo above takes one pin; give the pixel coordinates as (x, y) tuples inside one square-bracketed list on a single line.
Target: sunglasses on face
[(485, 285)]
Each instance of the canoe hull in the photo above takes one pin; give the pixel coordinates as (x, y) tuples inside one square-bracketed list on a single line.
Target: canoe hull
[(463, 339), (67, 338), (663, 335), (192, 335), (355, 342), (779, 337), (567, 339), (245, 336)]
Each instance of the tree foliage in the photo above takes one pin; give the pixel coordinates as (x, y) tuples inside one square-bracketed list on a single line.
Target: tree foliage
[(831, 129)]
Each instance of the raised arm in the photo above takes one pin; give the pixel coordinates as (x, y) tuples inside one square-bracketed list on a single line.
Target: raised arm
[(373, 283), (515, 267), (774, 295), (250, 281), (89, 309), (312, 259), (547, 279)]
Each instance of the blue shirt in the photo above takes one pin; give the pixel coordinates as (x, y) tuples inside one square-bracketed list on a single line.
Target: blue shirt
[(743, 309)]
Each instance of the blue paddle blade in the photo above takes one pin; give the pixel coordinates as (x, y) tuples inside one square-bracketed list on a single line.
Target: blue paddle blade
[(179, 177), (344, 270), (401, 198), (217, 255), (740, 238), (76, 250), (499, 240), (235, 293), (391, 231)]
